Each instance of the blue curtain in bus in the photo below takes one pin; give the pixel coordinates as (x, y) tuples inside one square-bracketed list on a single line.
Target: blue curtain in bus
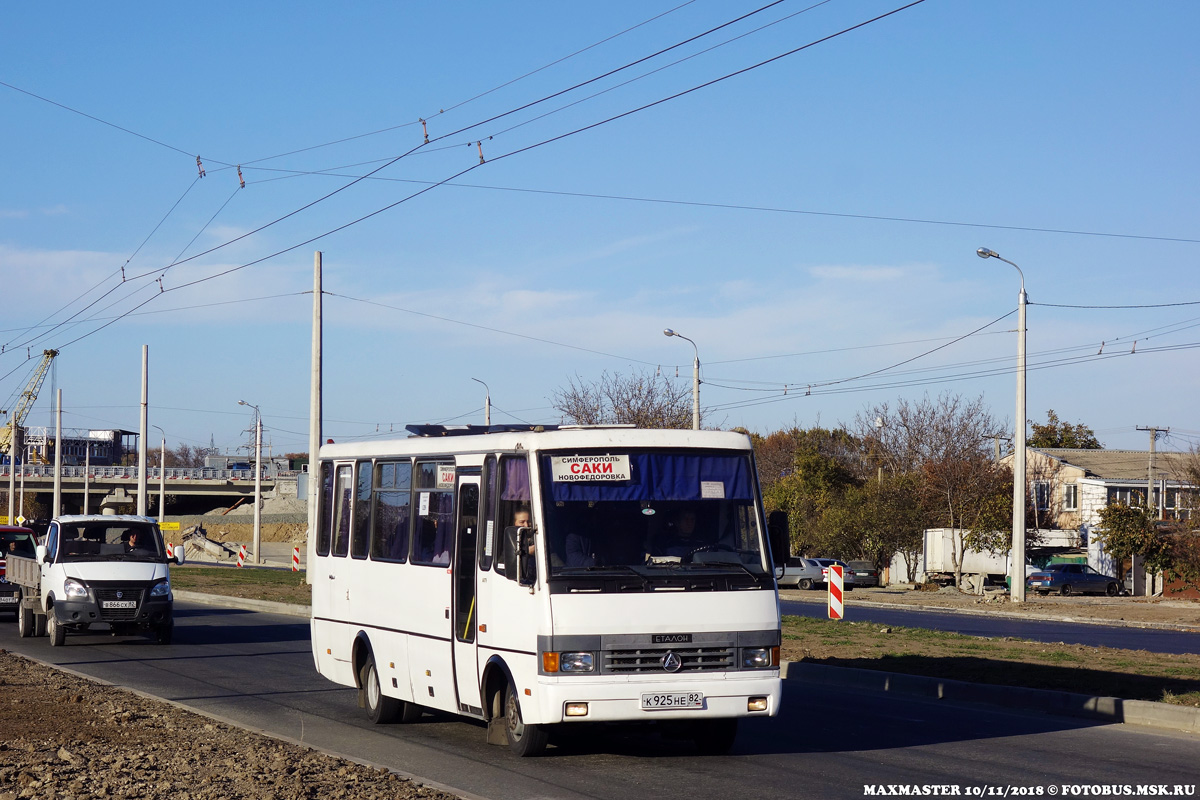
[(516, 479), (660, 477)]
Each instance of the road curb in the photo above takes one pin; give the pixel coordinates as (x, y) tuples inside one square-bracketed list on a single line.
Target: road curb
[(248, 604), (1045, 701), (851, 602)]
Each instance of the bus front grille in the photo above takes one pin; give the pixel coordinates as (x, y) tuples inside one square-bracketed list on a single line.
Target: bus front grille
[(654, 659)]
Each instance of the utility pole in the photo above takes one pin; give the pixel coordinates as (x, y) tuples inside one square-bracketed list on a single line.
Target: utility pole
[(1151, 506)]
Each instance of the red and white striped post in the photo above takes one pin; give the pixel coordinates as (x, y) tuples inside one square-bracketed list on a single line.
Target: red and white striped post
[(170, 551), (242, 555), (835, 591), (295, 559)]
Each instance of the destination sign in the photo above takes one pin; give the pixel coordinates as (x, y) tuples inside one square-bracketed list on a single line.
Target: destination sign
[(574, 469)]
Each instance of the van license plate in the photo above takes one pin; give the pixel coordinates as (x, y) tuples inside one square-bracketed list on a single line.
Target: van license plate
[(9, 598), (119, 604), (659, 701)]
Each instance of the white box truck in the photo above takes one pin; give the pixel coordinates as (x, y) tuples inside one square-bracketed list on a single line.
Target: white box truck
[(97, 569)]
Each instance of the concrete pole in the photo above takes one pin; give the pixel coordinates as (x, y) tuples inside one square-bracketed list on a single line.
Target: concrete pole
[(12, 469), (56, 509), (314, 420), (696, 391), (87, 474), (1017, 590), (142, 452), (258, 486), (162, 476)]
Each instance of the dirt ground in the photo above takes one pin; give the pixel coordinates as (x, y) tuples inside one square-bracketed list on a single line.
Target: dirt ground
[(66, 737)]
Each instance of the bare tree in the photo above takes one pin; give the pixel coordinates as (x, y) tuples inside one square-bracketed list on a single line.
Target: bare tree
[(944, 442), (642, 399)]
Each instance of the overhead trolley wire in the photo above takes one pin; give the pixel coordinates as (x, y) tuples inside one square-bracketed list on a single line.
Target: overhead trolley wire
[(473, 166)]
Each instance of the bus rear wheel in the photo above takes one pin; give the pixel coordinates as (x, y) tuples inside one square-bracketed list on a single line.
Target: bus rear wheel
[(524, 740), (381, 709)]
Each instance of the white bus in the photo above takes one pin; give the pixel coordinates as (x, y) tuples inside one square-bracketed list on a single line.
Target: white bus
[(546, 576)]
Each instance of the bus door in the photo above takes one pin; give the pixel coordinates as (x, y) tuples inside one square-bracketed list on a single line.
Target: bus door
[(466, 663), (336, 567)]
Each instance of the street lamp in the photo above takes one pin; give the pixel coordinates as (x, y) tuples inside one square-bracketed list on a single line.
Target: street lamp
[(1017, 555), (162, 475), (487, 403), (695, 379), (257, 481)]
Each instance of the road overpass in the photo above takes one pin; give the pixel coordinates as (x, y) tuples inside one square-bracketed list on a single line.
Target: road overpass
[(225, 486)]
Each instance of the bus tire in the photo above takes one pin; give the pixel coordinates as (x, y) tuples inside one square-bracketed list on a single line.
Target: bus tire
[(715, 737), (381, 709), (524, 740), (25, 621), (55, 629)]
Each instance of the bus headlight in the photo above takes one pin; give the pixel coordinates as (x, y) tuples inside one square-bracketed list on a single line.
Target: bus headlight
[(73, 588), (577, 662), (757, 658), (160, 589)]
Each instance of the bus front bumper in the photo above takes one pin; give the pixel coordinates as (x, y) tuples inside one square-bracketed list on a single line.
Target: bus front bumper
[(580, 699)]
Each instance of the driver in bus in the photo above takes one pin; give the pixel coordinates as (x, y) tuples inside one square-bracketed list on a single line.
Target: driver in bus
[(683, 538)]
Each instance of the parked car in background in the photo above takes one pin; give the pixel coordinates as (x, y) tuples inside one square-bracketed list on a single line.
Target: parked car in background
[(15, 541), (801, 573), (865, 573), (1067, 579), (847, 573)]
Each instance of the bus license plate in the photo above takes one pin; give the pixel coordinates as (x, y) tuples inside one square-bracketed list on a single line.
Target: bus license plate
[(119, 604), (658, 701)]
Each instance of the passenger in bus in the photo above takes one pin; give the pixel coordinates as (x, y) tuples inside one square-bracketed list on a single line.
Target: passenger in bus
[(580, 549)]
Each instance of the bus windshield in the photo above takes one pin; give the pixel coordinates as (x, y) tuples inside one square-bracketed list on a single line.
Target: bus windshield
[(650, 511)]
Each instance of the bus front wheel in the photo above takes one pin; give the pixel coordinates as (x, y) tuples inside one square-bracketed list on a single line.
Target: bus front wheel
[(381, 709), (524, 740)]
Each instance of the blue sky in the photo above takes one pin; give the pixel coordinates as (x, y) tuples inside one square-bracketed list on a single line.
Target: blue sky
[(805, 222)]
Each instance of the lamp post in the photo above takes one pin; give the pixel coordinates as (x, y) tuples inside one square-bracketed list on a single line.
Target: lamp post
[(695, 379), (257, 481), (487, 403), (1017, 555), (162, 475)]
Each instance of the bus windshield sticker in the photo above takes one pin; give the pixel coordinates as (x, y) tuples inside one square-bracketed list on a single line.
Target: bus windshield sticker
[(423, 505), (714, 490), (572, 469)]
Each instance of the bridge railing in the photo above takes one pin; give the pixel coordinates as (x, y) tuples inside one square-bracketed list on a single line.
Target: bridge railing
[(131, 473)]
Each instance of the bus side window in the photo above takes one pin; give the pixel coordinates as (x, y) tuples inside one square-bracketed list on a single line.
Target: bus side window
[(434, 530), (391, 494), (487, 516), (362, 511), (513, 500), (341, 510), (324, 525)]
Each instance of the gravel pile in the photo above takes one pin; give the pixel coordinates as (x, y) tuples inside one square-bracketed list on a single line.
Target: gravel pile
[(66, 737)]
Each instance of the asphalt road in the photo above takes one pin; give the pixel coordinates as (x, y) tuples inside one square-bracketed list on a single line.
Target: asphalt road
[(256, 669), (978, 624)]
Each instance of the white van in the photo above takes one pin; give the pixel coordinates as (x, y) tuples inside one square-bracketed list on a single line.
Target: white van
[(97, 569)]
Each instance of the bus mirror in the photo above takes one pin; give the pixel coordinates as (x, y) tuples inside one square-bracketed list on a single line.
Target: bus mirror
[(526, 547), (510, 553), (777, 535)]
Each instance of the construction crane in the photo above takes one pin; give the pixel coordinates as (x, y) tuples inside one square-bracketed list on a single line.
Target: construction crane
[(25, 402)]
